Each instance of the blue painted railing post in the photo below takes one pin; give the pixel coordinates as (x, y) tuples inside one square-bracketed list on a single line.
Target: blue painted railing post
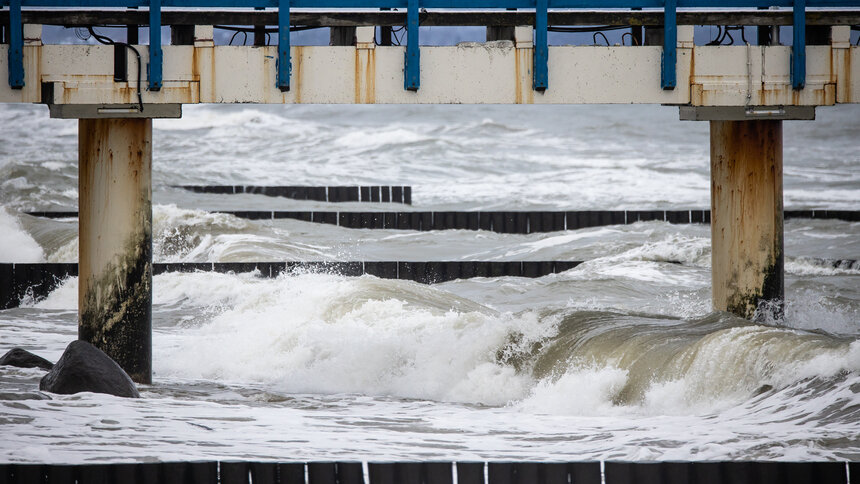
[(284, 63), (541, 49), (16, 46), (412, 73), (155, 45), (670, 45), (798, 47)]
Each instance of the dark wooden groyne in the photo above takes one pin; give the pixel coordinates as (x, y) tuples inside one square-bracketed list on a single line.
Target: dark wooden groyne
[(508, 222), (37, 280), (241, 472), (333, 194)]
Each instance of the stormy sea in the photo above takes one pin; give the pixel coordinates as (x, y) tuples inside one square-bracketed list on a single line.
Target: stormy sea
[(621, 357)]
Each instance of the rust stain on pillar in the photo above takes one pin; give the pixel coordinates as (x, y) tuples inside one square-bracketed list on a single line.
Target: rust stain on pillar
[(115, 262), (747, 218)]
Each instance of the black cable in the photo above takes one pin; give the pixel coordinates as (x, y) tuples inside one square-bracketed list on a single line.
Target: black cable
[(397, 40), (587, 29), (717, 39), (633, 39), (594, 38), (108, 41), (246, 30)]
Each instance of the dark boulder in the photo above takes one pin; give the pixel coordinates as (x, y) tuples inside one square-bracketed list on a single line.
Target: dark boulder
[(24, 359), (85, 368)]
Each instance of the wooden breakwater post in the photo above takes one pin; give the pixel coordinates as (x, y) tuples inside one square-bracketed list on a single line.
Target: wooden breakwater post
[(115, 232)]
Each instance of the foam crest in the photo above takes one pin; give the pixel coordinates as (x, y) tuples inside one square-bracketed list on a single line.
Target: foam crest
[(813, 266), (16, 245), (208, 117), (729, 366), (326, 334), (685, 249), (582, 390), (361, 139)]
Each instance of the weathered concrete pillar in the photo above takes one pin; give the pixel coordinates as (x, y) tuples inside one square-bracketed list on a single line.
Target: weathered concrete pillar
[(343, 36), (500, 33), (746, 218), (115, 261)]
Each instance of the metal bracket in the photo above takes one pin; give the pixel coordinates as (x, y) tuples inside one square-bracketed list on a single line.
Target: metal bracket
[(669, 60), (155, 58), (541, 50), (412, 72), (16, 46), (798, 47), (284, 63)]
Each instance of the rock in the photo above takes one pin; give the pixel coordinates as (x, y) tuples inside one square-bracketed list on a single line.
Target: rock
[(85, 368), (24, 359)]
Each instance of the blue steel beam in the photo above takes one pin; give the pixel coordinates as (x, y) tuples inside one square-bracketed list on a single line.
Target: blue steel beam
[(447, 4), (284, 64), (798, 46), (154, 45), (541, 48), (16, 46), (412, 61), (670, 46), (412, 69)]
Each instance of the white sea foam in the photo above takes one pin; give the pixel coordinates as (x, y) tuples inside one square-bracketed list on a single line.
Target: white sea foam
[(808, 266), (321, 333), (374, 139), (16, 245)]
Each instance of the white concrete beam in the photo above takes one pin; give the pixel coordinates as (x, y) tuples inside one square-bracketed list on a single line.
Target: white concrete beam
[(474, 73)]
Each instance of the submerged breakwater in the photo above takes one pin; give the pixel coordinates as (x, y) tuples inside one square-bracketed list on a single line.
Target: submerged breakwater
[(616, 358)]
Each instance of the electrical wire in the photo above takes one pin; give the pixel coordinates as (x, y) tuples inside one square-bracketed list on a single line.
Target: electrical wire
[(395, 39), (723, 32), (108, 41), (598, 28), (633, 39), (296, 28), (594, 38)]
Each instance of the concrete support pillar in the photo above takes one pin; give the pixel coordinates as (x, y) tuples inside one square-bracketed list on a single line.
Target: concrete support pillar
[(636, 37), (259, 35), (115, 261), (747, 218), (654, 35), (343, 36), (181, 34), (500, 33), (132, 34)]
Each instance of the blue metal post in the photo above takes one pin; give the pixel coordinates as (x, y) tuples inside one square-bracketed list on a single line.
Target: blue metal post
[(155, 45), (798, 47), (412, 73), (284, 64), (541, 50), (670, 45), (16, 46)]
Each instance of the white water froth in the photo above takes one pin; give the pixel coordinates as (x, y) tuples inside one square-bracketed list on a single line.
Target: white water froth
[(326, 334), (16, 245), (320, 333)]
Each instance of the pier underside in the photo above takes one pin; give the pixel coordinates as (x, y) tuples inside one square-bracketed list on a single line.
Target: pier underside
[(745, 92)]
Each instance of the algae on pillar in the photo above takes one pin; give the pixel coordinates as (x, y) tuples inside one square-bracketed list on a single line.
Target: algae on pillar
[(115, 261), (747, 218)]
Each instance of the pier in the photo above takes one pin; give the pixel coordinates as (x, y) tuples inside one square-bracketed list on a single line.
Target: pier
[(116, 88)]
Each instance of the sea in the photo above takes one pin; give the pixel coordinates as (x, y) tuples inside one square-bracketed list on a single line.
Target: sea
[(620, 358)]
